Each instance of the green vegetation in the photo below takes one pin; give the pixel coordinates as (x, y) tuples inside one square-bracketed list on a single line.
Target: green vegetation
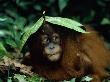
[(18, 17)]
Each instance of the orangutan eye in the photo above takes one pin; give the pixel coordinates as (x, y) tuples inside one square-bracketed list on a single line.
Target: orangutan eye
[(45, 39), (56, 37)]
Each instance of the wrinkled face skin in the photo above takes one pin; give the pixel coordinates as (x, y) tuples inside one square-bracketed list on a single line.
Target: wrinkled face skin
[(51, 45)]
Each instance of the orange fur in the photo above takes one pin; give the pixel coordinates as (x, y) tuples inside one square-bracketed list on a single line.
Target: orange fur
[(82, 54)]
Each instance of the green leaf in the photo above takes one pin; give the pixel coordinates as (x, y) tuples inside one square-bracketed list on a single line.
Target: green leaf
[(86, 78), (30, 31), (5, 20), (37, 7), (9, 79), (72, 80), (101, 3), (20, 78), (1, 80), (4, 32), (20, 22), (66, 23), (11, 43), (11, 13), (89, 17), (35, 78), (2, 19), (62, 4), (2, 48), (3, 51), (105, 21)]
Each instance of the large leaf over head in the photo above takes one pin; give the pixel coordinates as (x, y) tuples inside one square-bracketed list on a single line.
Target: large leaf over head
[(30, 31), (54, 20), (66, 23)]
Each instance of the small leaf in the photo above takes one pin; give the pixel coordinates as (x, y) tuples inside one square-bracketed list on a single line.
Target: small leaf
[(66, 23), (73, 80), (11, 13), (105, 21), (5, 32), (3, 51), (37, 7), (35, 78), (62, 4), (86, 78), (20, 78), (11, 43), (9, 79), (2, 48), (1, 80), (101, 3), (89, 17), (30, 31), (3, 19), (6, 20), (20, 22)]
